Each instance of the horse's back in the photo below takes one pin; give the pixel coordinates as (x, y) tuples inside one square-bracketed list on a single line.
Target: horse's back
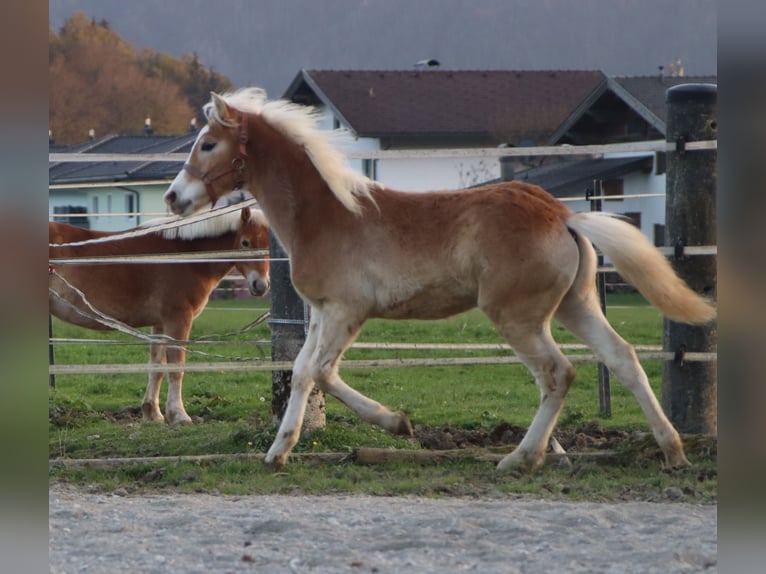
[(521, 205), (61, 233), (433, 254)]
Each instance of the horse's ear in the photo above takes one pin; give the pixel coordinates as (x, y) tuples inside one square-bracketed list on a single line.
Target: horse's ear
[(221, 107), (245, 214)]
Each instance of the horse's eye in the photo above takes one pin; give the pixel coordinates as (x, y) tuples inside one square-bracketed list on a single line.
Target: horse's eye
[(246, 244), (207, 146)]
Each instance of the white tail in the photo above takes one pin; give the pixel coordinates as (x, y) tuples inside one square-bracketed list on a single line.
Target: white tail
[(643, 266)]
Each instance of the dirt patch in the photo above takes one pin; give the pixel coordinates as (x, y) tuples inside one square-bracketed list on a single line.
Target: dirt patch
[(124, 415), (591, 436)]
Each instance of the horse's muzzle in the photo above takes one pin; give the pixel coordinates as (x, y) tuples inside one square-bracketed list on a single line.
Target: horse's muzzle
[(176, 205), (259, 287)]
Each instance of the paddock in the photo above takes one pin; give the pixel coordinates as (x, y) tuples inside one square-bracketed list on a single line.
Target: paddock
[(681, 358), (248, 358)]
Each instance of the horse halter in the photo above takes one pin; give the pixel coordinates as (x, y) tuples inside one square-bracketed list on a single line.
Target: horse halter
[(237, 166)]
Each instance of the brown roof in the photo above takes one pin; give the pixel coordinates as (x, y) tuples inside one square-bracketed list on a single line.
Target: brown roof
[(650, 91), (498, 106)]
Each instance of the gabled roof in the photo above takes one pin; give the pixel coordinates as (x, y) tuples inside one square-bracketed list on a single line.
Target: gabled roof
[(646, 94), (80, 172), (571, 178), (487, 106), (624, 109)]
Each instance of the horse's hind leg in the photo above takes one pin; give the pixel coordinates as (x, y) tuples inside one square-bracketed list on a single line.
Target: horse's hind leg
[(150, 407), (553, 374), (582, 315)]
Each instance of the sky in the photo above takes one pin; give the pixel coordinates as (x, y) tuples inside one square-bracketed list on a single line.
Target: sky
[(267, 42)]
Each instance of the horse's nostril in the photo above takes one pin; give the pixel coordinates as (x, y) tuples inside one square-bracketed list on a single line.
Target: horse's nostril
[(170, 197)]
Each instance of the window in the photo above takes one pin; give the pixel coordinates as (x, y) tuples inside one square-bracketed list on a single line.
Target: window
[(80, 220), (634, 217), (661, 163), (130, 205), (611, 188), (94, 204), (370, 168)]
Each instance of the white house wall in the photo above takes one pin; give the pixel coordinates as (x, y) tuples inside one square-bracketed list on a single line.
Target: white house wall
[(436, 174), (638, 184), (413, 174), (112, 215)]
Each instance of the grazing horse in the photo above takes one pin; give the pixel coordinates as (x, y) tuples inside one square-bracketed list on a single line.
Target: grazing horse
[(361, 250), (164, 296)]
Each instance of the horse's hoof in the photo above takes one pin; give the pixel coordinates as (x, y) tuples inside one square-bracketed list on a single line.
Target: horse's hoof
[(274, 462), (153, 419), (522, 460), (676, 460), (674, 454), (151, 414), (404, 426), (178, 420)]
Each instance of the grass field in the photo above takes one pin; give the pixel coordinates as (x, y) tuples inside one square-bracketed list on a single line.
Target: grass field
[(94, 416)]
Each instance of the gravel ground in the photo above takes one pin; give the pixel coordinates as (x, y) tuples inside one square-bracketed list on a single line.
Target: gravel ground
[(294, 534)]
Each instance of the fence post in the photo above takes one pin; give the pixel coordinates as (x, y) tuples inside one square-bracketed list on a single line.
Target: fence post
[(51, 354), (689, 388), (604, 386), (289, 324)]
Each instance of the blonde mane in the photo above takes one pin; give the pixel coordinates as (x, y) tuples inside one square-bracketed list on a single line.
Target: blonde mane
[(214, 226), (300, 124)]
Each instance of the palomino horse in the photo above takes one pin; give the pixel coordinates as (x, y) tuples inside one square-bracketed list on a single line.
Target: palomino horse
[(164, 296), (511, 249)]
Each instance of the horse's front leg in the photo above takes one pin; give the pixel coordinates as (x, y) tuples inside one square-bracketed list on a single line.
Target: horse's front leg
[(338, 329), (175, 413), (150, 407), (300, 388)]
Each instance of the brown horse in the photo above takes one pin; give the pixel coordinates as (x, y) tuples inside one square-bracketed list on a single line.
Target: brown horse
[(164, 296), (360, 250)]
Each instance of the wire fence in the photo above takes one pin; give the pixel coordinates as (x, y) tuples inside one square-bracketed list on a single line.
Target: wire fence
[(260, 364)]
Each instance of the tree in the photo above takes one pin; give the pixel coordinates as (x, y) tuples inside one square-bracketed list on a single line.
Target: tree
[(98, 81)]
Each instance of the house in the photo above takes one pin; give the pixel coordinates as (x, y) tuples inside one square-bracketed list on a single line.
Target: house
[(625, 109), (112, 196), (441, 109), (424, 109), (427, 109)]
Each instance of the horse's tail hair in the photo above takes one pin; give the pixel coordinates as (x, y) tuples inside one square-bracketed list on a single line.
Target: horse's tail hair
[(643, 266)]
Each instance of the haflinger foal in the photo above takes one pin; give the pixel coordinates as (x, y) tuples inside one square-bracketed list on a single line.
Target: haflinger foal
[(359, 249), (164, 296)]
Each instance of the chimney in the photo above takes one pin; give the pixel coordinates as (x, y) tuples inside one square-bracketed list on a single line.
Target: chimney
[(91, 134), (148, 127)]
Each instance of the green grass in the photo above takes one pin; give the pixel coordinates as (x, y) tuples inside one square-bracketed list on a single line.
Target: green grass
[(93, 416)]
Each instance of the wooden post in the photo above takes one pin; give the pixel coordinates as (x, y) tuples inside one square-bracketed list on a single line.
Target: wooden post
[(689, 388), (51, 354), (289, 324)]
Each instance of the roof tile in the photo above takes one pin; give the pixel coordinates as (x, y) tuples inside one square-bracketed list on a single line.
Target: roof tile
[(502, 106)]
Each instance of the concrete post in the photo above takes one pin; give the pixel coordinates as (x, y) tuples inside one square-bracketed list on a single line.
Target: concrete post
[(289, 324), (689, 395)]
